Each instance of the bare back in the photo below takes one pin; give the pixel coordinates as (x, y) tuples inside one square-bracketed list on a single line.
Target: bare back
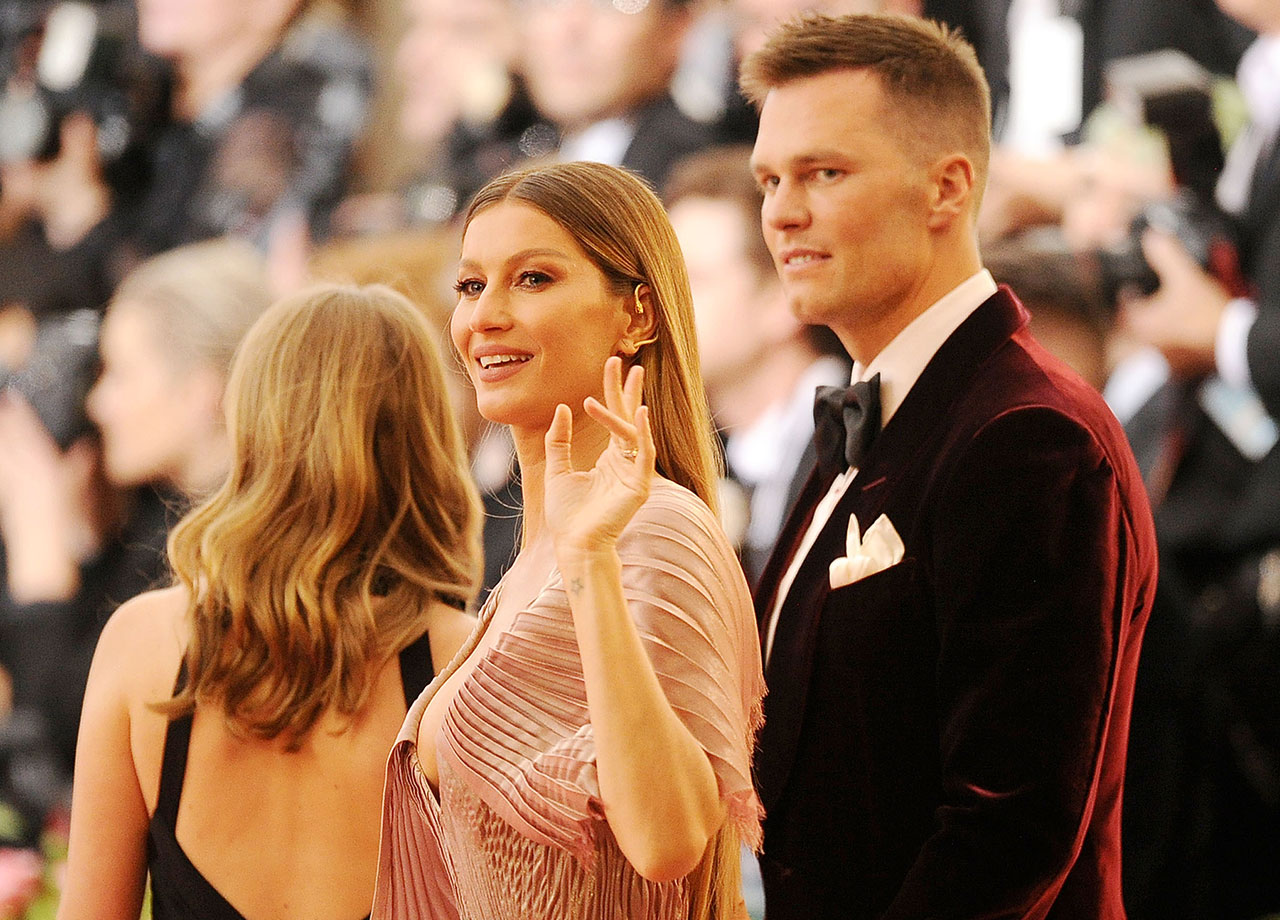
[(280, 835)]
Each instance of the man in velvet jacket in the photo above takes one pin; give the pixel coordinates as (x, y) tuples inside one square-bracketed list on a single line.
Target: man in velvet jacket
[(952, 618)]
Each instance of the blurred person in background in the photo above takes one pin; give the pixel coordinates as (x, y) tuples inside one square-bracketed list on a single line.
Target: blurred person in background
[(269, 97), (600, 75), (166, 344), (463, 113), (465, 105), (79, 103), (238, 721), (84, 523), (1045, 58), (1060, 155), (760, 365), (1068, 315), (1202, 806)]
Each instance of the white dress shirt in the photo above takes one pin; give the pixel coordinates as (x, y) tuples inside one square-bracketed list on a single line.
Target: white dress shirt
[(899, 366)]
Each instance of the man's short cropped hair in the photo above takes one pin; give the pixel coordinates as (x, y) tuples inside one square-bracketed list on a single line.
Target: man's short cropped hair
[(927, 71)]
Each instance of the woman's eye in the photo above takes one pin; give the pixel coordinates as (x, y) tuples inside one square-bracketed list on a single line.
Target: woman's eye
[(533, 279), (469, 288)]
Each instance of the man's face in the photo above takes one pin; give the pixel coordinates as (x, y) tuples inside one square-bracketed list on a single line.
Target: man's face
[(846, 203), (586, 60)]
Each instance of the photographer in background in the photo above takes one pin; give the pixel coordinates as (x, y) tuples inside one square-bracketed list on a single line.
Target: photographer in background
[(79, 103), (1202, 808), (84, 517), (269, 97)]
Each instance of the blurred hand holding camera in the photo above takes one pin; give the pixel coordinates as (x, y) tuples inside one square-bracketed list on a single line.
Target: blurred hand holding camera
[(67, 193), (1181, 317), (45, 505)]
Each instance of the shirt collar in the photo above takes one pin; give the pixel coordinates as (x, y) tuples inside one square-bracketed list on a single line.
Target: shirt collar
[(903, 360)]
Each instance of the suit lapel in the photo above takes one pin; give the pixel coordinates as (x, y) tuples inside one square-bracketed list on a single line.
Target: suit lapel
[(791, 659)]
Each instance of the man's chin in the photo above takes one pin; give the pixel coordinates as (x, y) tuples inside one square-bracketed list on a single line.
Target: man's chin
[(809, 309)]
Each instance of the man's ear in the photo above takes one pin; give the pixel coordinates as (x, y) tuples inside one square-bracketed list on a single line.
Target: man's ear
[(951, 181), (642, 321)]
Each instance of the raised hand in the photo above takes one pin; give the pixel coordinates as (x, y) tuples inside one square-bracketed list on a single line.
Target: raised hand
[(586, 510)]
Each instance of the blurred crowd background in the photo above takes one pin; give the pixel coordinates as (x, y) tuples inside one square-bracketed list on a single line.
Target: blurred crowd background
[(169, 167)]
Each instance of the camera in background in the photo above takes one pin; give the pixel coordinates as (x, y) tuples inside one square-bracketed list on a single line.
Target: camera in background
[(57, 377), (65, 57), (1170, 92)]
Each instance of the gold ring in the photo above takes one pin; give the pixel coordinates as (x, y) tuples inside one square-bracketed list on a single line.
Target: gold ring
[(630, 453)]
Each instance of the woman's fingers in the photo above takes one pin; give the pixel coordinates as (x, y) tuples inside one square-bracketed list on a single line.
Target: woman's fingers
[(559, 442), (623, 396), (648, 452), (619, 413), (633, 392), (613, 390), (619, 428)]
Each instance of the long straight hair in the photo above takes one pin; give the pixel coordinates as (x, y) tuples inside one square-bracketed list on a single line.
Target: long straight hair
[(621, 226)]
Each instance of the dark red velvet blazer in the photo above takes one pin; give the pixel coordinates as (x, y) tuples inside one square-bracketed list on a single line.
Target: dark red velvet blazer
[(946, 738)]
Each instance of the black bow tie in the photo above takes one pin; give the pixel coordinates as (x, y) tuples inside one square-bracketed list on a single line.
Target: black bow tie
[(845, 421)]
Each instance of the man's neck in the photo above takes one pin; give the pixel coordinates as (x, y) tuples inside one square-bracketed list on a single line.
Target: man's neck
[(955, 264)]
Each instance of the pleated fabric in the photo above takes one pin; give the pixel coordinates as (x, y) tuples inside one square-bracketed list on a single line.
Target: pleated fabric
[(518, 829)]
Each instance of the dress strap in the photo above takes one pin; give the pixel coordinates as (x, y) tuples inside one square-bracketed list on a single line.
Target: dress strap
[(173, 764), (416, 669)]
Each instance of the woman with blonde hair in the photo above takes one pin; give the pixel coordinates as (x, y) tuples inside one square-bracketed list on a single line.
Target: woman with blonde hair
[(236, 724), (167, 341), (588, 753)]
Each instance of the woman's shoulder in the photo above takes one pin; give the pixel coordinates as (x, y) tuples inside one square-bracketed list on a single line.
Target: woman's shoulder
[(144, 639), (675, 526), (671, 503)]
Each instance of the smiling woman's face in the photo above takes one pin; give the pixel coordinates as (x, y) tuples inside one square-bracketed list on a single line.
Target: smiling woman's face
[(536, 318)]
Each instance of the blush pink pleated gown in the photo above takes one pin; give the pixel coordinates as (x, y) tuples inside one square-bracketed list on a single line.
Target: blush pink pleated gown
[(517, 830)]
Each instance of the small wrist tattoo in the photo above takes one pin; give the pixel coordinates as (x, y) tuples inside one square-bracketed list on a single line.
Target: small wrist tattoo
[(576, 585)]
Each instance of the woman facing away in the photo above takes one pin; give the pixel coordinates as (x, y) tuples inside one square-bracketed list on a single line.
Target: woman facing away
[(588, 753), (236, 724)]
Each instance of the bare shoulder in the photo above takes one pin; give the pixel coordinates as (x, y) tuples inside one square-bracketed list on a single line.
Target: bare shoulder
[(448, 629), (143, 641)]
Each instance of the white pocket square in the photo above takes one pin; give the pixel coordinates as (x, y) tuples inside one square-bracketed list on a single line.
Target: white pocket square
[(875, 552)]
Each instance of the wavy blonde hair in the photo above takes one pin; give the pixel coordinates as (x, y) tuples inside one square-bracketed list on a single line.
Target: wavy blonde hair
[(349, 509), (621, 226)]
